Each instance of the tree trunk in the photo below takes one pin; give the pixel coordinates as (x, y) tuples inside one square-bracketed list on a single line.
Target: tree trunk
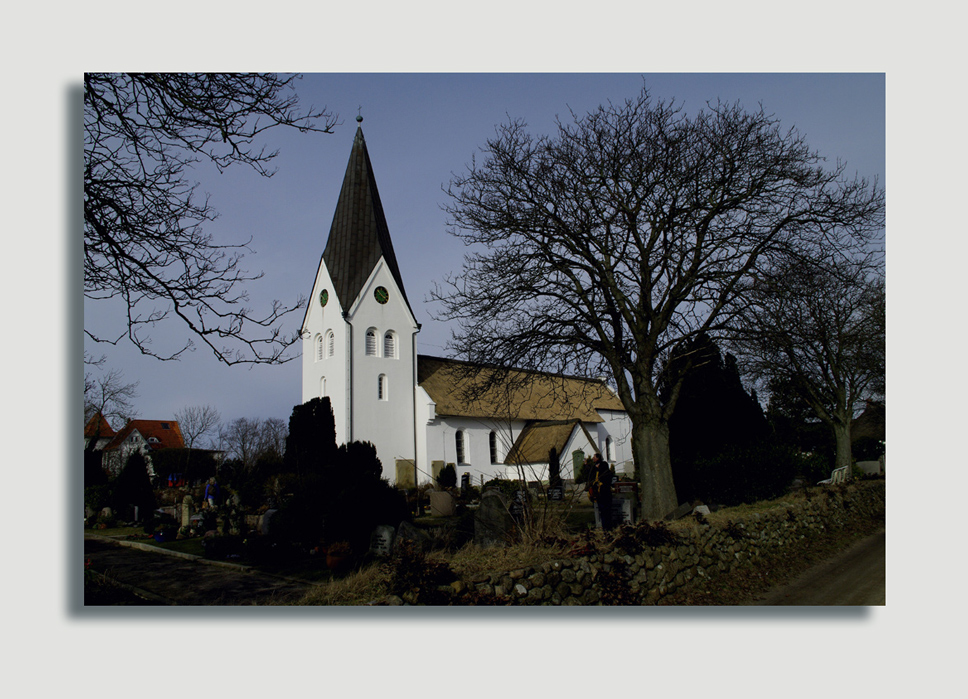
[(842, 436), (650, 447)]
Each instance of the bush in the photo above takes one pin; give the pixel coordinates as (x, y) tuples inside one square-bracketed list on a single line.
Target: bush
[(747, 474), (447, 478), (133, 487), (867, 449)]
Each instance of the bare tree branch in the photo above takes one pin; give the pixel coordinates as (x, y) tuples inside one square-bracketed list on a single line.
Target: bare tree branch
[(144, 242), (602, 248)]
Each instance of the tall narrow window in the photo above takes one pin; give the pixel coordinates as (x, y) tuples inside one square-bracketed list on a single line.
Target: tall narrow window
[(459, 438), (381, 388), (389, 345), (322, 387), (492, 442), (371, 343), (319, 347), (330, 343), (608, 449)]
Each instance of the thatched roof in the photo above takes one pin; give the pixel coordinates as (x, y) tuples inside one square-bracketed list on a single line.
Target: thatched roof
[(461, 389), (538, 438)]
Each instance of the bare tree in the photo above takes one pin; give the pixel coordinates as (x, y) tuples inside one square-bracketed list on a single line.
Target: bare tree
[(240, 439), (197, 422), (272, 438), (144, 242), (628, 232), (108, 394), (819, 328)]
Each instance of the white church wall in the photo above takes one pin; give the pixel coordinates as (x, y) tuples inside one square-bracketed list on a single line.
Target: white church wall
[(326, 376), (617, 426), (441, 444), (383, 413)]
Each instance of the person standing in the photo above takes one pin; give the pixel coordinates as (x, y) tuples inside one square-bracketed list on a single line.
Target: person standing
[(600, 490)]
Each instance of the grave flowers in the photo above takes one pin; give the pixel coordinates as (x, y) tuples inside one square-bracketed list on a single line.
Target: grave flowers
[(338, 556)]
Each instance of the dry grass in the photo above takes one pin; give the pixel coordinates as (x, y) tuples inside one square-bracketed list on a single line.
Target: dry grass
[(358, 588), (473, 561)]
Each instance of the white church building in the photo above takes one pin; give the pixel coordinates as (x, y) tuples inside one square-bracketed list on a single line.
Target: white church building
[(420, 412)]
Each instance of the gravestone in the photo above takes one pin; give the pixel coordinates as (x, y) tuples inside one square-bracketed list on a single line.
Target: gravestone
[(408, 532), (435, 468), (519, 504), (556, 493), (492, 521), (265, 522), (381, 541), (441, 504), (621, 513), (186, 511), (465, 484), (406, 473)]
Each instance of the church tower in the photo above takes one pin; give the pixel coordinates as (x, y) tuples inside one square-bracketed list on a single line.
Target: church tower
[(359, 331)]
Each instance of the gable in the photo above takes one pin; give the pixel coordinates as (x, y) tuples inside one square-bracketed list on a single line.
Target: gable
[(158, 434), (536, 440)]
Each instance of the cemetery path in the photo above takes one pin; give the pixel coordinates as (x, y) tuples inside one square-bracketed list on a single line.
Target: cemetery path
[(855, 576), (166, 579)]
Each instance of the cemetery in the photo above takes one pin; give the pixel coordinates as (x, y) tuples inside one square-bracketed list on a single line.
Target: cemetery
[(506, 543)]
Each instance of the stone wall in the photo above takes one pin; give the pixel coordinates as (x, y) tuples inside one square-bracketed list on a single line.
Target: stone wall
[(709, 549)]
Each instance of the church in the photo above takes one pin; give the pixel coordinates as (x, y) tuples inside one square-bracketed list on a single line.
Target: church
[(359, 348)]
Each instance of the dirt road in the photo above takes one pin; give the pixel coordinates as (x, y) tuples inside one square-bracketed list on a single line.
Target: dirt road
[(856, 576)]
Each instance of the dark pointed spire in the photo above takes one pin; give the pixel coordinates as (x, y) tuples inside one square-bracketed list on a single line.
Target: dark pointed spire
[(359, 235)]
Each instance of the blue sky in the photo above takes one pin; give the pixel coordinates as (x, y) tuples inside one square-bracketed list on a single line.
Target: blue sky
[(420, 128)]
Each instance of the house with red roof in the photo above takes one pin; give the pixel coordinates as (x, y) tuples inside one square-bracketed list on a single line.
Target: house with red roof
[(99, 431), (145, 436)]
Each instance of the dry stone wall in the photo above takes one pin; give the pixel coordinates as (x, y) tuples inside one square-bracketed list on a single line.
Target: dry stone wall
[(707, 550)]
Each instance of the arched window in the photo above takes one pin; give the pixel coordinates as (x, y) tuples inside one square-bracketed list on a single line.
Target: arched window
[(459, 440), (389, 345), (381, 389), (492, 443), (608, 449), (322, 387), (330, 343), (371, 342), (319, 347)]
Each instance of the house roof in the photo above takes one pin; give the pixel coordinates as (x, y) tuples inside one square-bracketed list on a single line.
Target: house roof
[(359, 235), (461, 389), (98, 427), (538, 438), (870, 423), (167, 434)]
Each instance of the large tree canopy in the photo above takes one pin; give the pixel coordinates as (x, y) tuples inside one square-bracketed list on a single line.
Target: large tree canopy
[(144, 242), (818, 328), (628, 231)]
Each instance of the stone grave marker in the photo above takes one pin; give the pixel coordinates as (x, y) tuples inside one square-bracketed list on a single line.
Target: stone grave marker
[(381, 541), (492, 522), (441, 504), (406, 473), (186, 511)]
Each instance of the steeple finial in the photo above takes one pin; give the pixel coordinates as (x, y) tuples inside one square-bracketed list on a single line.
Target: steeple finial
[(359, 116)]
